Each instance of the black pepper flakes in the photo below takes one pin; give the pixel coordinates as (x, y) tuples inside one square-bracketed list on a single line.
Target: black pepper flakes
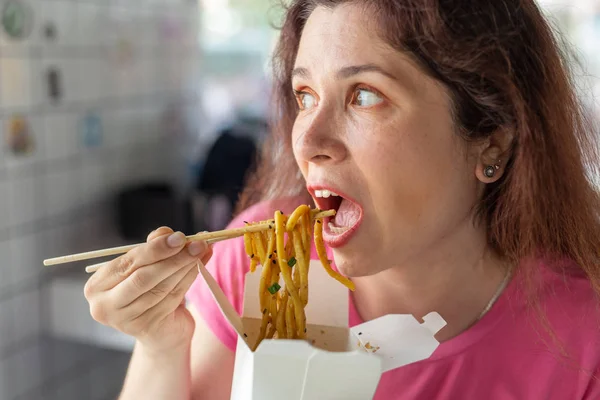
[(245, 335), (359, 333), (274, 262)]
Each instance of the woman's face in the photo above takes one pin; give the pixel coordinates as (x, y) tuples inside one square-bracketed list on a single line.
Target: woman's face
[(376, 130)]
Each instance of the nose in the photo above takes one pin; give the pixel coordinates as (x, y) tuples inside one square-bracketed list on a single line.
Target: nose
[(320, 140)]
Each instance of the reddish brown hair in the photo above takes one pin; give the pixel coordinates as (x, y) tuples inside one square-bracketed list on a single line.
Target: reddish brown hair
[(502, 64)]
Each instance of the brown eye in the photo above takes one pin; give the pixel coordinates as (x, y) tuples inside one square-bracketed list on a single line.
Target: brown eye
[(364, 97), (305, 100)]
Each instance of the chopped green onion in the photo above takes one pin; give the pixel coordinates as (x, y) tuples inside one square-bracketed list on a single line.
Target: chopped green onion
[(291, 262), (274, 288)]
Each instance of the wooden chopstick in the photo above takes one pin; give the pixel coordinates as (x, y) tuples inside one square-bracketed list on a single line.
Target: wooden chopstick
[(90, 269), (208, 236)]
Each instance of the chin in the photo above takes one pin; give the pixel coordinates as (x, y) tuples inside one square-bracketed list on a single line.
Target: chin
[(354, 267)]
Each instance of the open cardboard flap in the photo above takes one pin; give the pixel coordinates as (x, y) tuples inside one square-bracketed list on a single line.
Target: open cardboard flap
[(335, 362)]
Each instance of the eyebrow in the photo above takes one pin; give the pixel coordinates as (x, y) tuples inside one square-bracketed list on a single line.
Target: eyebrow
[(347, 72)]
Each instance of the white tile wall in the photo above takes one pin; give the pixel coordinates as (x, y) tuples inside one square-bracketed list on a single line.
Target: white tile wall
[(3, 150), (15, 82), (64, 16), (58, 240), (25, 261), (69, 78), (44, 193), (93, 183), (6, 388), (63, 191), (115, 134), (16, 163), (96, 79), (4, 204), (16, 47), (60, 135), (6, 331), (26, 313), (5, 268), (148, 35), (92, 20), (21, 197), (73, 388), (112, 376), (25, 370)]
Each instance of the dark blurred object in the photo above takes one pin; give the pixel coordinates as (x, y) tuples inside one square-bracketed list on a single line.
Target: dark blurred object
[(227, 164), (231, 158), (142, 209)]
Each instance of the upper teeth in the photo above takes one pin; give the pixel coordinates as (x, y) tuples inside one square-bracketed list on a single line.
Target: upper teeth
[(325, 193)]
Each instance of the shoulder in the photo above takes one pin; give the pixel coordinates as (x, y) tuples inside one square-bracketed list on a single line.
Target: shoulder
[(551, 328), (566, 285), (572, 307)]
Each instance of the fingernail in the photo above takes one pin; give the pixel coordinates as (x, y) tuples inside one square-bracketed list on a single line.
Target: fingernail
[(196, 248), (176, 239)]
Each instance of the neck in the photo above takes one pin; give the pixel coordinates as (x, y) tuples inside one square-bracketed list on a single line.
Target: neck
[(457, 279)]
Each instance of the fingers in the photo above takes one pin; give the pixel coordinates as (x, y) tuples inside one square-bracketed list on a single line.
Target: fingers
[(156, 315), (207, 255), (158, 249), (145, 279), (155, 295), (163, 230)]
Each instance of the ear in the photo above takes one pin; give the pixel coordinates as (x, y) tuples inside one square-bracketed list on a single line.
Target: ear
[(494, 153)]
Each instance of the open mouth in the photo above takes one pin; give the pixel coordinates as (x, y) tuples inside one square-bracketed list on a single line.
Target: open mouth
[(338, 230)]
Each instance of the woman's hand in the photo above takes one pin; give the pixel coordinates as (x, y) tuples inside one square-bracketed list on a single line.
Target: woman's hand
[(142, 293)]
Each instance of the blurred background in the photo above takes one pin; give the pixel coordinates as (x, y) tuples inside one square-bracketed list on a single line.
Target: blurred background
[(118, 116)]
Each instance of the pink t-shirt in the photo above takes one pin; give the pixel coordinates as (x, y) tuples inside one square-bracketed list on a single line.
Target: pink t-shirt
[(506, 355)]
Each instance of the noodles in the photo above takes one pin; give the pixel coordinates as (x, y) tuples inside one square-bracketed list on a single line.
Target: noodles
[(284, 252), (323, 256)]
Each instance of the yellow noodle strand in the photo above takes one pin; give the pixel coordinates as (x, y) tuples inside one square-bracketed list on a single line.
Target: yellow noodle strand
[(285, 252), (286, 273), (323, 257)]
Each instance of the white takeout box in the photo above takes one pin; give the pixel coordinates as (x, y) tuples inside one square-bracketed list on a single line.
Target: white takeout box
[(335, 362)]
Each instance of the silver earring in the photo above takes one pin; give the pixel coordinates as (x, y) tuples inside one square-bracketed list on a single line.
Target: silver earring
[(490, 170)]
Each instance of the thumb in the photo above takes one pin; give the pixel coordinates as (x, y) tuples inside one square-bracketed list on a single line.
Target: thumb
[(163, 230)]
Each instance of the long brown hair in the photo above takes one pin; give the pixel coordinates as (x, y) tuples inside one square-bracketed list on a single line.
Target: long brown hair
[(505, 69)]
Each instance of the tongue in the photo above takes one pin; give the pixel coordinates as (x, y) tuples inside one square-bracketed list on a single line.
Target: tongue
[(347, 214)]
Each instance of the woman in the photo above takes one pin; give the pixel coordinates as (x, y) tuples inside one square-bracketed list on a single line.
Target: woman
[(452, 133)]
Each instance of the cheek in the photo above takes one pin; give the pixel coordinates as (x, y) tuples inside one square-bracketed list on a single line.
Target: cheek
[(413, 166)]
